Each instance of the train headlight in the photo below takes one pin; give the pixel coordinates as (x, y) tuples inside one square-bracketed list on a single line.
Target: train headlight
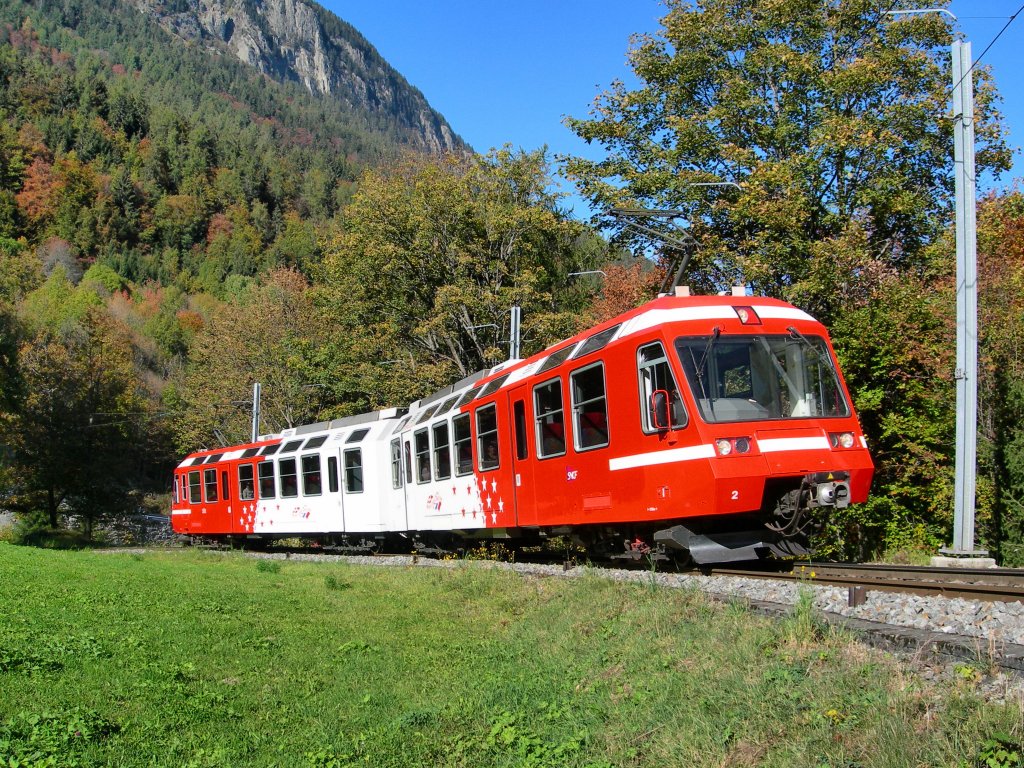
[(841, 439), (733, 446)]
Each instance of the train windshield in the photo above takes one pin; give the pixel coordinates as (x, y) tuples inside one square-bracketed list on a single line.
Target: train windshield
[(757, 378)]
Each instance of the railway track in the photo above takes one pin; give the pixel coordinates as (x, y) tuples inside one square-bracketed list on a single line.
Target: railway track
[(992, 584)]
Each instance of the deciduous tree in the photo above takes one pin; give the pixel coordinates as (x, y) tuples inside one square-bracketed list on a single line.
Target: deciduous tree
[(824, 114), (431, 256), (270, 334), (73, 437)]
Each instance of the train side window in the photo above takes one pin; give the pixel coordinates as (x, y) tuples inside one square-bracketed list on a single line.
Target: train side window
[(210, 484), (396, 464), (656, 375), (549, 419), (487, 436), (354, 470), (225, 490), (312, 485), (265, 470), (246, 486), (589, 407), (174, 490), (195, 487), (442, 452), (422, 441), (519, 420), (463, 440), (408, 462), (289, 478), (332, 474)]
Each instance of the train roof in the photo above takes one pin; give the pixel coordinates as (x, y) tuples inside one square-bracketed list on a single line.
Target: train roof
[(669, 308), (663, 309)]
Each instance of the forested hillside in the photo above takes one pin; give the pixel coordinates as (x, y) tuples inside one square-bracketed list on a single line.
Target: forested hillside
[(173, 227)]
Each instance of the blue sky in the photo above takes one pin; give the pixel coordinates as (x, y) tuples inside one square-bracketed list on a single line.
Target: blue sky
[(508, 72)]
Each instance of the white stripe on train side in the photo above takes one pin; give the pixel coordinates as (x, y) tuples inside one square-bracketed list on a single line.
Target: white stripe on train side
[(707, 451), (690, 453)]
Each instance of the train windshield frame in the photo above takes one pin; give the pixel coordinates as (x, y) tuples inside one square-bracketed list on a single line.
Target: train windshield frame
[(762, 377)]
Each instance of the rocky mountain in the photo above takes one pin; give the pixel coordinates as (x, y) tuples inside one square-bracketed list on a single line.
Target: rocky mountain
[(299, 41)]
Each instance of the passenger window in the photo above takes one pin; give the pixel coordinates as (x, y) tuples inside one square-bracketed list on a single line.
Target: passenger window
[(289, 478), (265, 470), (312, 485), (487, 436), (174, 490), (589, 408), (408, 462), (354, 470), (422, 456), (655, 375), (442, 452), (549, 419), (396, 464), (195, 488), (332, 473), (224, 487), (246, 487), (463, 441), (210, 483)]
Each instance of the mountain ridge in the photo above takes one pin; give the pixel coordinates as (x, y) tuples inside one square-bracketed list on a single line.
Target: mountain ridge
[(302, 42)]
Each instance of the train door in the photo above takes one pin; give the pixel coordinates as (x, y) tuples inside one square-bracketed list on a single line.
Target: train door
[(243, 511), (523, 459), (395, 513), (555, 471), (494, 453), (215, 503), (335, 496), (416, 470)]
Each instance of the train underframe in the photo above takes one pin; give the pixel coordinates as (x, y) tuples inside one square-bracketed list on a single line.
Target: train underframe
[(790, 514)]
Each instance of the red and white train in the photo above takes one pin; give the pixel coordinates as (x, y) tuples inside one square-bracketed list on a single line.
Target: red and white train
[(718, 427)]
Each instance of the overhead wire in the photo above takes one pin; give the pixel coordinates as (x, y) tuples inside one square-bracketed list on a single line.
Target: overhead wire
[(988, 47)]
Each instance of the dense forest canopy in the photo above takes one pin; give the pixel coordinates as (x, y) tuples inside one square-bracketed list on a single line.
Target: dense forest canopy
[(176, 226)]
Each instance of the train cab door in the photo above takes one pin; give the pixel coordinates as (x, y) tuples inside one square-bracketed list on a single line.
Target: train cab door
[(523, 461)]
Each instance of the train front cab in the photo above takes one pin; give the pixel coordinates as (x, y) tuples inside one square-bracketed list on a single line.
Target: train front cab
[(776, 426)]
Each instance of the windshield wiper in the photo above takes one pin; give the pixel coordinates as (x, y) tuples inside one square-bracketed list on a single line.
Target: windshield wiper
[(699, 368), (793, 332)]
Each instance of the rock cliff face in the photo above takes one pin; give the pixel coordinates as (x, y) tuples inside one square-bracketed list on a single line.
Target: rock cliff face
[(302, 42)]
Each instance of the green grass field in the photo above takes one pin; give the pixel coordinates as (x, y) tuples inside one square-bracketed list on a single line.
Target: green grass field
[(198, 659)]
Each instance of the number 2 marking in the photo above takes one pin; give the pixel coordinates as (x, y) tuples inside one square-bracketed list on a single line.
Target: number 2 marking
[(735, 495)]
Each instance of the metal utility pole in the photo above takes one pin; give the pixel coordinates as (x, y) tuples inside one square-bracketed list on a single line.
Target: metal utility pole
[(515, 333), (966, 297), (255, 411), (966, 305)]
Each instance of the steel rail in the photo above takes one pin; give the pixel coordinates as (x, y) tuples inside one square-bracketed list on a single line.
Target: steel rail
[(1008, 577), (970, 584)]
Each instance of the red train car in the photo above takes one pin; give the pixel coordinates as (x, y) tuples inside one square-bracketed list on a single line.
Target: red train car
[(719, 427)]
